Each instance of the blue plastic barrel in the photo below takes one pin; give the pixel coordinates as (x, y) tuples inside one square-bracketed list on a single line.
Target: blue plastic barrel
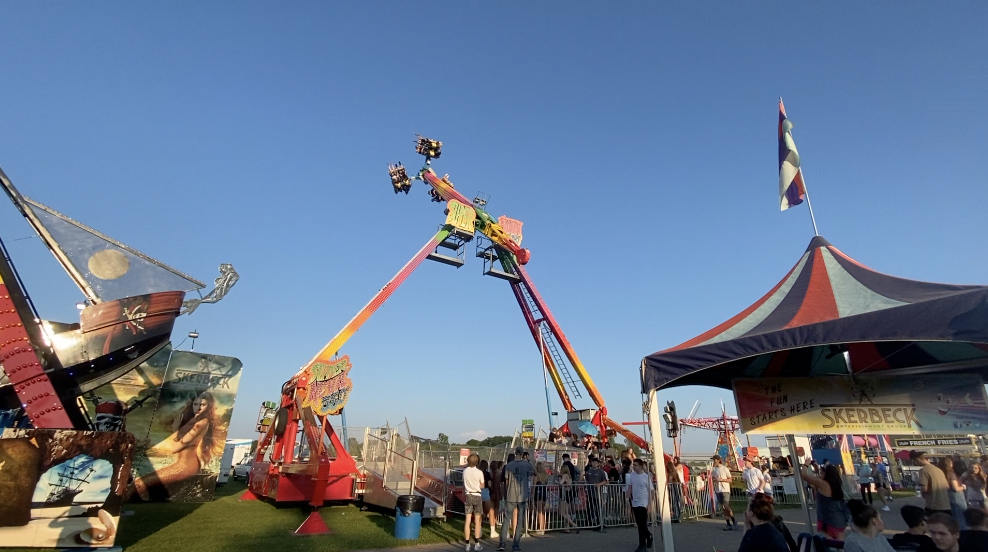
[(408, 517)]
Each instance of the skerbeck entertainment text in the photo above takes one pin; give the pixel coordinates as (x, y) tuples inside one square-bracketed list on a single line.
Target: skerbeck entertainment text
[(890, 416)]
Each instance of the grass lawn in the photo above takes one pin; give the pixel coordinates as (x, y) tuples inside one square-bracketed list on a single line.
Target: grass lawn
[(225, 524)]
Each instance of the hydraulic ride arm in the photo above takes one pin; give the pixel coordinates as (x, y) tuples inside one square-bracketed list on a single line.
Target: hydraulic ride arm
[(351, 327)]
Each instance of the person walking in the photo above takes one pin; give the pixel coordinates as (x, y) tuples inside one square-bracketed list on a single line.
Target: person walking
[(864, 481), (473, 485), (880, 473), (519, 473), (753, 482), (721, 477), (639, 489), (932, 485)]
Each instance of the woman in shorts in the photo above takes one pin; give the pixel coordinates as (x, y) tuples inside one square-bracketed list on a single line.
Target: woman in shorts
[(567, 493), (539, 495), (485, 496)]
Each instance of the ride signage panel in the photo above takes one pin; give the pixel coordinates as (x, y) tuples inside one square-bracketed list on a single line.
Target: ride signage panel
[(460, 216), (921, 443), (512, 227), (328, 386), (528, 429), (863, 404)]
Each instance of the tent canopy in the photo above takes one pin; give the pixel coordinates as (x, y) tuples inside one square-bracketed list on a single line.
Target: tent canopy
[(833, 316)]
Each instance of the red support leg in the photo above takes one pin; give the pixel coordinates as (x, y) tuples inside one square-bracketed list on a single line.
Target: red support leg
[(248, 495), (313, 525)]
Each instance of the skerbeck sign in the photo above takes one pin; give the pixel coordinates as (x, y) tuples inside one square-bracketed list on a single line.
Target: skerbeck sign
[(863, 404)]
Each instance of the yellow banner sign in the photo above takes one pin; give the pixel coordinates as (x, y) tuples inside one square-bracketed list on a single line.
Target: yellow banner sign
[(460, 216), (905, 405)]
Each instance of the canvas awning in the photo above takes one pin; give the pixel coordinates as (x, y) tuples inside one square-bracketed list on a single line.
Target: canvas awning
[(830, 312)]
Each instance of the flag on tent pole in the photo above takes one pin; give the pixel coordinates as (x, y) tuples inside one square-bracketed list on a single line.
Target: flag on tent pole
[(792, 190)]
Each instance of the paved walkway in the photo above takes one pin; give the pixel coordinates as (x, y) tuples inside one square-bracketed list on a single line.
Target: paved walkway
[(703, 535)]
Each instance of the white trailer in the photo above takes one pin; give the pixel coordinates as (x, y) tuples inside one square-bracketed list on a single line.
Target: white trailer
[(235, 452)]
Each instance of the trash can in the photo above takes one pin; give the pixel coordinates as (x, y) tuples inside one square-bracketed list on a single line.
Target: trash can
[(408, 516)]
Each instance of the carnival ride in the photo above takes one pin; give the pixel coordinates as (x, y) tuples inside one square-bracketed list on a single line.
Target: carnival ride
[(301, 458), (727, 428), (131, 305), (500, 242)]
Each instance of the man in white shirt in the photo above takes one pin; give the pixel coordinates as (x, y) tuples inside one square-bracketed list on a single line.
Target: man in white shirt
[(753, 481), (721, 477), (639, 487), (473, 483)]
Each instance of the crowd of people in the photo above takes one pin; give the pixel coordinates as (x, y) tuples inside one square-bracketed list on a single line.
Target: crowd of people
[(954, 518), (513, 485)]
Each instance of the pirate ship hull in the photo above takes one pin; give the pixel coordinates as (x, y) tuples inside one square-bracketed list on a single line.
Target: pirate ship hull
[(111, 339)]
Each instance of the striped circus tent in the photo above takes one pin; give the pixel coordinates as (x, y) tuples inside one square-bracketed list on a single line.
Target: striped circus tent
[(830, 315)]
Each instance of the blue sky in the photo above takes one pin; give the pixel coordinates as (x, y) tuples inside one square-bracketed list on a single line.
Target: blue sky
[(637, 143)]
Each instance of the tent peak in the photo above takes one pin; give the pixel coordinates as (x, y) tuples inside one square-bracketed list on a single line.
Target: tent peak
[(817, 242)]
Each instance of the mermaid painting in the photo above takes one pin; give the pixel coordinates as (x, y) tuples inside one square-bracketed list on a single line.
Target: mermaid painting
[(196, 441)]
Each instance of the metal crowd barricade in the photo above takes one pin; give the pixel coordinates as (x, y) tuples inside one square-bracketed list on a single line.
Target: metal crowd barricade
[(557, 508), (739, 492), (581, 505), (615, 506), (690, 500)]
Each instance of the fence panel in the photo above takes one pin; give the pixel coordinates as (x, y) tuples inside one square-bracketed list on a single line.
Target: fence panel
[(558, 508), (615, 505), (780, 494), (584, 506)]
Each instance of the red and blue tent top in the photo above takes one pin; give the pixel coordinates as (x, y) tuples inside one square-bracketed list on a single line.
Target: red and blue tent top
[(829, 305)]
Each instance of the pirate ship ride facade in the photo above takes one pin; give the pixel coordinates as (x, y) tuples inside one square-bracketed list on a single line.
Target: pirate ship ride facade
[(132, 301)]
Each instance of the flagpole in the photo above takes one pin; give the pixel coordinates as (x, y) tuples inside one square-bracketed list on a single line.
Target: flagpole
[(806, 190)]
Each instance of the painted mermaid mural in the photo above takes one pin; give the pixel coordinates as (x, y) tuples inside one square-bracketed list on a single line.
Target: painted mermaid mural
[(184, 446), (198, 439)]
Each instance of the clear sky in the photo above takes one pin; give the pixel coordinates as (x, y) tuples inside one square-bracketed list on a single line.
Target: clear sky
[(636, 141)]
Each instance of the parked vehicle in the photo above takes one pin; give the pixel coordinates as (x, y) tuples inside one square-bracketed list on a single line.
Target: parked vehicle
[(242, 470), (236, 452)]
